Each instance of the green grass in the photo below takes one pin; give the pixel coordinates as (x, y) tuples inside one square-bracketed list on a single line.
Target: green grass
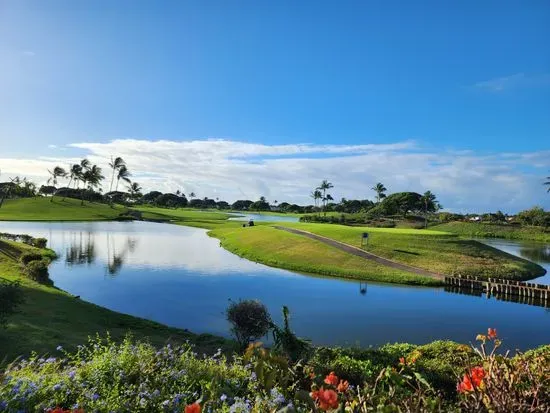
[(277, 248), (69, 209), (181, 214), (51, 317), (268, 213), (484, 230), (431, 250)]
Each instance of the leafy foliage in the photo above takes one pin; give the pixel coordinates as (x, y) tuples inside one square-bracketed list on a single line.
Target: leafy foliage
[(11, 296), (29, 256), (38, 270), (250, 320), (104, 376)]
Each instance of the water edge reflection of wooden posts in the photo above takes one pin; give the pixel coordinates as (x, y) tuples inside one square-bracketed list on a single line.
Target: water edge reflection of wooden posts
[(505, 290)]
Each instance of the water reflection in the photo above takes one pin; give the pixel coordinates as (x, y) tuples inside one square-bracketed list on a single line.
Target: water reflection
[(499, 296), (540, 254), (81, 250), (116, 255)]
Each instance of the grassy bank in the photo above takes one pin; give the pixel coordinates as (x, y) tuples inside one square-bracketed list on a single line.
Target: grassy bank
[(277, 248), (431, 250), (181, 214), (68, 209), (50, 317), (483, 230)]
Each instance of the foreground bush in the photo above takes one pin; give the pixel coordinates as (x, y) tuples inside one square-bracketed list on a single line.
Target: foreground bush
[(136, 377), (11, 296), (29, 256), (38, 270), (249, 319)]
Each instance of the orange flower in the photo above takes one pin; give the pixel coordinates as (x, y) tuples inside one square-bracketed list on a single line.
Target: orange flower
[(327, 399), (492, 333), (465, 385), (332, 379), (193, 408), (477, 375), (471, 381), (343, 386), (401, 360)]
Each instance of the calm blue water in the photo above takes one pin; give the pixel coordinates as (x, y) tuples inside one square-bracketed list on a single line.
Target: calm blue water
[(245, 216), (181, 277)]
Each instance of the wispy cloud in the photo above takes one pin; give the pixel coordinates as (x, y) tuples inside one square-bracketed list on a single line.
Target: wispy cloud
[(27, 53), (518, 80), (464, 181)]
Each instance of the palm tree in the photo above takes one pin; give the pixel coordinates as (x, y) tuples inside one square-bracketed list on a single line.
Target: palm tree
[(316, 195), (124, 174), (379, 188), (93, 178), (548, 183), (58, 172), (323, 187), (134, 189), (84, 166), (74, 173), (430, 204), (115, 166)]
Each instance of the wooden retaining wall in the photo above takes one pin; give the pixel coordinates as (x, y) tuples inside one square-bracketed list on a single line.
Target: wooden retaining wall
[(528, 293)]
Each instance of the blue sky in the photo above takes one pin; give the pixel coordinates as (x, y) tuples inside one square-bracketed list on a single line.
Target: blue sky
[(461, 81)]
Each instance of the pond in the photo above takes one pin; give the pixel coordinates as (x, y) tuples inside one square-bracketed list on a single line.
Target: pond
[(181, 277)]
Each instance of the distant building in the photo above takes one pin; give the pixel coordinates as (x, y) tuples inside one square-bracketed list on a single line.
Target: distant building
[(475, 219)]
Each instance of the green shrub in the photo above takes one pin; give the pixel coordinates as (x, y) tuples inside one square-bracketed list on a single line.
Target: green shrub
[(29, 256), (11, 295), (38, 270), (39, 242), (250, 320)]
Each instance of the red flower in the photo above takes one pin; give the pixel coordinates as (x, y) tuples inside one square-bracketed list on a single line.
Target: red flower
[(471, 381), (492, 333), (465, 385), (327, 399), (193, 408), (343, 386), (401, 360), (477, 375), (332, 379)]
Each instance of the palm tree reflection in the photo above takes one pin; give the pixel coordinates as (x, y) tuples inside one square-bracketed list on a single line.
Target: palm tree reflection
[(115, 259), (81, 251)]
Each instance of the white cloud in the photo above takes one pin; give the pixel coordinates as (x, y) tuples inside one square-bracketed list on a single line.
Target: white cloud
[(518, 80), (234, 170), (27, 53)]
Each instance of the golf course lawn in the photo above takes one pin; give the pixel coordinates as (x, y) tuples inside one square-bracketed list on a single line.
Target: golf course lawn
[(484, 230), (68, 209), (431, 250), (277, 248), (50, 317), (181, 214)]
